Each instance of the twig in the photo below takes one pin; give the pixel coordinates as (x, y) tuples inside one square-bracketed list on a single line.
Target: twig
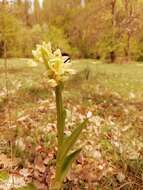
[(128, 183)]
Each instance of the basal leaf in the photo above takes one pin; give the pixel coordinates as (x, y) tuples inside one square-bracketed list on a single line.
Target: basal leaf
[(71, 140), (67, 163)]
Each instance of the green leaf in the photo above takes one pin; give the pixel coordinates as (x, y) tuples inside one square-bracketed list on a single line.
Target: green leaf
[(3, 176), (71, 140), (67, 163), (28, 187)]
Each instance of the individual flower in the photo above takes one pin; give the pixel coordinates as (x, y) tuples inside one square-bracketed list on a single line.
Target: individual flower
[(57, 70)]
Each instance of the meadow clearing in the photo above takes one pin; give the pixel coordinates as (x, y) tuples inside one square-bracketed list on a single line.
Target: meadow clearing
[(110, 94), (71, 95)]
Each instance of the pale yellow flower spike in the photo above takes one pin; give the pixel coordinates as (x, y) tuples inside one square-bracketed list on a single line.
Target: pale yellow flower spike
[(58, 71)]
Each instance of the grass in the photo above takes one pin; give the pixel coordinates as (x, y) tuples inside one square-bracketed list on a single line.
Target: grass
[(124, 79), (114, 95)]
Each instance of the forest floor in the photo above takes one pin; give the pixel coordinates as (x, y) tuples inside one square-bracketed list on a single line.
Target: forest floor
[(110, 94)]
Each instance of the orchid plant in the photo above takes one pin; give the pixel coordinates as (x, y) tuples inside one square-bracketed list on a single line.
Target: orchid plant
[(58, 73)]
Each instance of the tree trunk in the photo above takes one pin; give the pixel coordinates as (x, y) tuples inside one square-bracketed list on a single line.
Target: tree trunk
[(112, 56), (127, 49), (82, 2), (112, 53)]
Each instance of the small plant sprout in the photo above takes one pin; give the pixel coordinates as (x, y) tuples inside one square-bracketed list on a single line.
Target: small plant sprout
[(58, 73)]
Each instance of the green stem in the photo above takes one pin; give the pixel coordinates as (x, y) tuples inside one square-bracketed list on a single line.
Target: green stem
[(60, 131), (60, 113)]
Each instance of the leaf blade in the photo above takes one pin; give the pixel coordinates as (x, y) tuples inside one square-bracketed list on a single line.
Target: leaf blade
[(70, 141), (68, 162)]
